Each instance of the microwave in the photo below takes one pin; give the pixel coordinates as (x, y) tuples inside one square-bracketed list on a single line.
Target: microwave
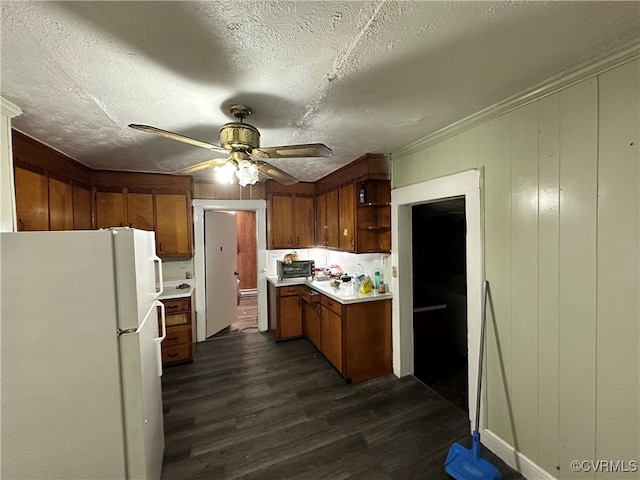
[(296, 269)]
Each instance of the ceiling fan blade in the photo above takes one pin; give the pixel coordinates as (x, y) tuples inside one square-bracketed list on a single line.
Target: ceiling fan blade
[(275, 173), (293, 151), (201, 166), (178, 137)]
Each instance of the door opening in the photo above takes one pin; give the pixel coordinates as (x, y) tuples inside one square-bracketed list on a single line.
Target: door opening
[(440, 298)]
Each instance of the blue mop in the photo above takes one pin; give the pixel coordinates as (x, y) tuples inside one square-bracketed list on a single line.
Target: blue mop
[(463, 463)]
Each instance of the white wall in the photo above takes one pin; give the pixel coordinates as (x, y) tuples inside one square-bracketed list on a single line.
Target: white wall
[(561, 246)]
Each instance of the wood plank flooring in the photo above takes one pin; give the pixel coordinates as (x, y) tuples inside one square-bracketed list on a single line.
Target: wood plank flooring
[(253, 409)]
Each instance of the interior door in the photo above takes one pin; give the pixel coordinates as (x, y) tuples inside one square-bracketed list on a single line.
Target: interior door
[(220, 270)]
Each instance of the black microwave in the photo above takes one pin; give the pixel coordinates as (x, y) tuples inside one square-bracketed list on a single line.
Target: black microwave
[(296, 269)]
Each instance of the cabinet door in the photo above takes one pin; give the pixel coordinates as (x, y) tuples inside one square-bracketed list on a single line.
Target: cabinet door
[(172, 231), (110, 209), (60, 205), (281, 220), (333, 222), (290, 319), (140, 210), (321, 220), (331, 337), (304, 221), (32, 205), (81, 208), (311, 324), (347, 217)]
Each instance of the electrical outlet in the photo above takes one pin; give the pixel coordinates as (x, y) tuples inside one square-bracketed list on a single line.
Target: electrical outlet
[(394, 271), (383, 261)]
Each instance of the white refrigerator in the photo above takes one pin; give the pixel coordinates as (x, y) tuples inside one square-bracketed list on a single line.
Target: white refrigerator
[(81, 394)]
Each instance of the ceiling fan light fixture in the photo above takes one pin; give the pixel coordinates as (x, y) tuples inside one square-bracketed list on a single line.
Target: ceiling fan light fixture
[(225, 173), (247, 173)]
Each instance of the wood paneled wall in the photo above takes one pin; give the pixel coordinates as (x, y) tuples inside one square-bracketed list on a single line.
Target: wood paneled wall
[(247, 249), (561, 229), (219, 191)]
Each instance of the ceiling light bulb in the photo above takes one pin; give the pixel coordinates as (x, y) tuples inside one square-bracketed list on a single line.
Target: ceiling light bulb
[(224, 173), (247, 173)]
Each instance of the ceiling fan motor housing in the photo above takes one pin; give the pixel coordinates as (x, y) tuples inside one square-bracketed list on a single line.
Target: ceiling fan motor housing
[(239, 136)]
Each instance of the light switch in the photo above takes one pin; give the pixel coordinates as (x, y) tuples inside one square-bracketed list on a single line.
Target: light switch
[(345, 232), (394, 271)]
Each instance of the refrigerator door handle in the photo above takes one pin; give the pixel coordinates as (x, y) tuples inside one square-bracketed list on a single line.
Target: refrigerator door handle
[(159, 339), (160, 280)]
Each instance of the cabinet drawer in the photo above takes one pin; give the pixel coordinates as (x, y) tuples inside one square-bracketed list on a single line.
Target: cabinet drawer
[(178, 319), (180, 353), (335, 307), (177, 336), (288, 291), (309, 295), (176, 305)]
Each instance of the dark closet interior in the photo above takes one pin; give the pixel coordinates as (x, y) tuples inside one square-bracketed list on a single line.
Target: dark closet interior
[(439, 298)]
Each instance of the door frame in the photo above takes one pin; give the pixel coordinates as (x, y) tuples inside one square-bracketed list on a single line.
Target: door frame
[(465, 184), (260, 207)]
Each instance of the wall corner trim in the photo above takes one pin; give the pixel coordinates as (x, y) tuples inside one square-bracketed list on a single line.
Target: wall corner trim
[(9, 109), (565, 79)]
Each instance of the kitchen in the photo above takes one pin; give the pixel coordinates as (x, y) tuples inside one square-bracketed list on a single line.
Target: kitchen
[(545, 155)]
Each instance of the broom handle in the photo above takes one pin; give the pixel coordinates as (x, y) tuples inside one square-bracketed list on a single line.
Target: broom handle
[(485, 292)]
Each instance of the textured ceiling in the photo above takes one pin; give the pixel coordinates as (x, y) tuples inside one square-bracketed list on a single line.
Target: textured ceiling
[(359, 76)]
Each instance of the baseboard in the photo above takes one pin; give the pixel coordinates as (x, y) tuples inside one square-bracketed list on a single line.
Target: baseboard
[(513, 458)]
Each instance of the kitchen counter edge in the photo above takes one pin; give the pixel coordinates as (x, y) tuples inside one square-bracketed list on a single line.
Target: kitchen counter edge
[(170, 291), (345, 294)]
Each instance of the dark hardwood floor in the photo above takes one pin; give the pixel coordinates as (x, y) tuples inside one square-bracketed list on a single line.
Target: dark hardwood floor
[(253, 409)]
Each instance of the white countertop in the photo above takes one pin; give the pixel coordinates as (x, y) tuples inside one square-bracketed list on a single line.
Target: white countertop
[(170, 290), (345, 294)]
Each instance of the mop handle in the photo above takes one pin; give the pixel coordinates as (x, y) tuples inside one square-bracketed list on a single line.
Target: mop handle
[(485, 292)]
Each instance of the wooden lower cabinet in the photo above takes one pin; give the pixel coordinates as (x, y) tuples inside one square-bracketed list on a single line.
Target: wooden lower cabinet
[(285, 312), (355, 338), (177, 347)]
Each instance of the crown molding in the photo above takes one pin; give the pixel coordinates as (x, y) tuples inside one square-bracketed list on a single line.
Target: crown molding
[(9, 109), (548, 87)]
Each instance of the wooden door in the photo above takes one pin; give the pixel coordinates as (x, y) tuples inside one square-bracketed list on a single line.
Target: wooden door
[(247, 249), (331, 337), (347, 217), (60, 205), (321, 220), (333, 222), (304, 221), (311, 324), (110, 209), (140, 210), (172, 230), (290, 320), (32, 204), (281, 221), (81, 208), (220, 270)]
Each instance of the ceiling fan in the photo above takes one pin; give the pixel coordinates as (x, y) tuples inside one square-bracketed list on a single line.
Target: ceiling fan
[(241, 142)]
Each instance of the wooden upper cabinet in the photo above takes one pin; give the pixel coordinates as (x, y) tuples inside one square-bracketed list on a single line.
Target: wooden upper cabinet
[(321, 220), (173, 227), (32, 205), (110, 210), (292, 221), (333, 222), (346, 216), (81, 208), (140, 210), (282, 224), (304, 221), (60, 205)]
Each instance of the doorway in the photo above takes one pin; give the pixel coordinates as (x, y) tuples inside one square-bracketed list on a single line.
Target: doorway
[(200, 206), (440, 298)]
